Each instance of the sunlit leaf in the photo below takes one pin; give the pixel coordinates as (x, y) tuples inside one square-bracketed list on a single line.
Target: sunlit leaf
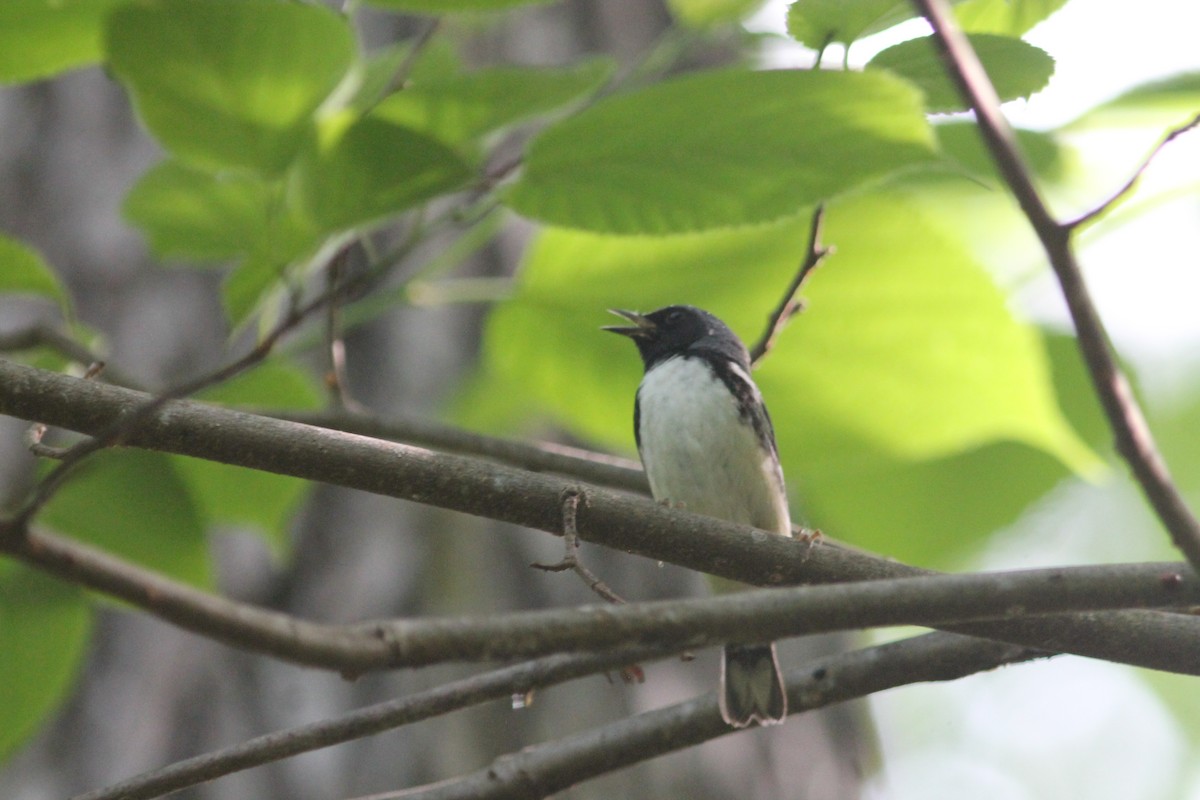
[(818, 23), (703, 13), (1017, 68), (229, 83), (446, 6), (1006, 17), (461, 108), (721, 148)]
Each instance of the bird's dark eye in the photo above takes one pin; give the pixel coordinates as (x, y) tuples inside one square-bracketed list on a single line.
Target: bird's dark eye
[(674, 317)]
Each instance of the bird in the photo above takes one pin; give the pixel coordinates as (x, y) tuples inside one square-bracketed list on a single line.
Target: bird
[(707, 444)]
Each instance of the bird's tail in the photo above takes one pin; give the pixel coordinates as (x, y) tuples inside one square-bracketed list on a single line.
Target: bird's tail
[(752, 688)]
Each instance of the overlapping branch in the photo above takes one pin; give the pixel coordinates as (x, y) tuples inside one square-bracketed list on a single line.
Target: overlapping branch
[(634, 524)]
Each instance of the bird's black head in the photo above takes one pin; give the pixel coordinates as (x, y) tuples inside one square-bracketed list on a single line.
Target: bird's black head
[(676, 330)]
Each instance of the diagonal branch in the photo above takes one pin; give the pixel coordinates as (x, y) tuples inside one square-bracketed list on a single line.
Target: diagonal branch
[(789, 304), (1133, 438), (1173, 134), (544, 769)]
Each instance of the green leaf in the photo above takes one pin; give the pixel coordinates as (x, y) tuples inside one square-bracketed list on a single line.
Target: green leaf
[(40, 38), (1017, 68), (197, 214), (707, 13), (462, 108), (245, 288), (818, 23), (229, 83), (719, 149), (44, 628), (960, 141), (134, 504), (371, 169), (1005, 17), (449, 6), (229, 495), (904, 360), (22, 271)]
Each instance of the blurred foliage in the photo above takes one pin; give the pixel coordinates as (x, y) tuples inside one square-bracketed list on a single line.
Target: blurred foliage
[(916, 412)]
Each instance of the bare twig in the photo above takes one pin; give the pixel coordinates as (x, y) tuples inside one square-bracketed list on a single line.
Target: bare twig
[(43, 335), (790, 304), (543, 770), (335, 379), (1133, 438), (572, 497), (600, 469), (1133, 179), (500, 683)]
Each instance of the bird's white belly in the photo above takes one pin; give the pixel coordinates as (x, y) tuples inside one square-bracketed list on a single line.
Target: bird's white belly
[(700, 454)]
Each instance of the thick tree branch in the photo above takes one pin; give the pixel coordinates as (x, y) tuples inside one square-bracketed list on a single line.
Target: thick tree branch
[(625, 522), (1133, 438), (500, 683), (675, 625), (544, 769)]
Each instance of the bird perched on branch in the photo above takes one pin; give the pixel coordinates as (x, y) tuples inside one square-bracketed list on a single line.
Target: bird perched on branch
[(707, 445)]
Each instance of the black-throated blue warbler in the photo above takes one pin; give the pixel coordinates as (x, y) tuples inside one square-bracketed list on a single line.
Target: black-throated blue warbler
[(707, 445)]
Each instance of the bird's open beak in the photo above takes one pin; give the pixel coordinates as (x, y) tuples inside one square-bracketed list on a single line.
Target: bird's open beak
[(641, 327)]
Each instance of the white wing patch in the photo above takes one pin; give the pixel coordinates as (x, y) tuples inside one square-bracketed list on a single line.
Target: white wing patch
[(698, 452)]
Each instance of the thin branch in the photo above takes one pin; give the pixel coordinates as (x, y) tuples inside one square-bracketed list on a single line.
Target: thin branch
[(544, 769), (42, 335), (1133, 179), (335, 344), (951, 601), (596, 468), (790, 304), (1133, 438), (497, 684)]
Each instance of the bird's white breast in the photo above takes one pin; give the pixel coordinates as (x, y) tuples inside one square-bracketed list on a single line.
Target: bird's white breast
[(699, 453)]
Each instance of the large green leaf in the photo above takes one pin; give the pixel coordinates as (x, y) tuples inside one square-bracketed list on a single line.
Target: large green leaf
[(229, 83), (463, 107), (370, 168), (907, 357), (39, 38), (721, 148), (1017, 68), (22, 271), (134, 504), (44, 626)]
